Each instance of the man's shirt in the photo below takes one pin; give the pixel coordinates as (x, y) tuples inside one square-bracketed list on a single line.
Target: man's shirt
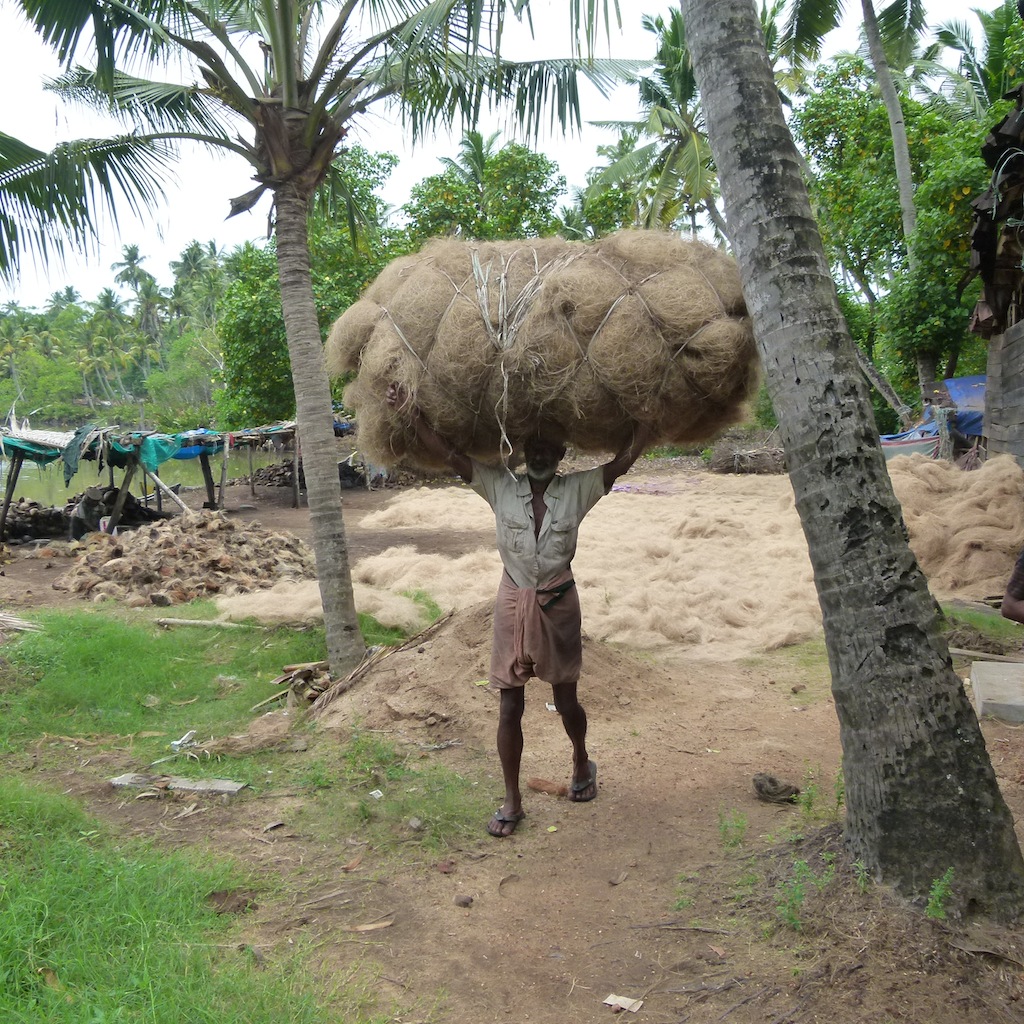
[(531, 560)]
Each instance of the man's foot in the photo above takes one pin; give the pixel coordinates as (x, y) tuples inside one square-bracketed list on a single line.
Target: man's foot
[(503, 825), (584, 789)]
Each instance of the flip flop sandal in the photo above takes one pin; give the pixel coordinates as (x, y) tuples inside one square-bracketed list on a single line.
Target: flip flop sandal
[(503, 820), (581, 787)]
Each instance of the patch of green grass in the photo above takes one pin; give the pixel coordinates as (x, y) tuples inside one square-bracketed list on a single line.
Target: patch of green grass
[(939, 895), (431, 608), (683, 897), (815, 806), (99, 673), (732, 828), (108, 674), (96, 929), (388, 798), (669, 451), (990, 623), (745, 886)]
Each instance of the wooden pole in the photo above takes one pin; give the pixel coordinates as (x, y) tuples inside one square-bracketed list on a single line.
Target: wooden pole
[(211, 497), (252, 483), (295, 471), (223, 470), (17, 458), (163, 488), (122, 495)]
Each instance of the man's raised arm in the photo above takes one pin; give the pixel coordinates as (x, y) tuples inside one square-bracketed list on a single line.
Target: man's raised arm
[(628, 454), (397, 397)]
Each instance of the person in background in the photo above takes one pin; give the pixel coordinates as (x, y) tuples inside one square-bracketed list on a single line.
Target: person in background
[(1013, 597)]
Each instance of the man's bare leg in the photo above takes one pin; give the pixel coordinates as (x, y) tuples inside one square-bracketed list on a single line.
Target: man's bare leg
[(510, 753), (574, 719)]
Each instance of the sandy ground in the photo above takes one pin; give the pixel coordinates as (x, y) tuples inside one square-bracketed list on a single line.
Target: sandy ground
[(690, 691)]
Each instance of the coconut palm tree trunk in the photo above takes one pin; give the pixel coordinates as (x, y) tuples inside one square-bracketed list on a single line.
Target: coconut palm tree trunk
[(345, 645), (926, 361), (920, 790)]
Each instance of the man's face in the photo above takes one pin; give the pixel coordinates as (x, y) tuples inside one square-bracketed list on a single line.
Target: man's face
[(542, 458)]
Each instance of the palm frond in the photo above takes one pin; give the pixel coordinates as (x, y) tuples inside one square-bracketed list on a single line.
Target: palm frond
[(149, 106), (50, 200), (809, 22), (432, 89)]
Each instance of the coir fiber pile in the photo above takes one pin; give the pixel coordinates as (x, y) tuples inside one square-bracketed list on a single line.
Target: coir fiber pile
[(495, 339)]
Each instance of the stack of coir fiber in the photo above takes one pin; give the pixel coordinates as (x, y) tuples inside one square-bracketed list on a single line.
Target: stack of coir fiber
[(493, 339)]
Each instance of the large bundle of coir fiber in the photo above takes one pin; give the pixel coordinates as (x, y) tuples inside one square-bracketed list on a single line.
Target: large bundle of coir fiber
[(494, 340)]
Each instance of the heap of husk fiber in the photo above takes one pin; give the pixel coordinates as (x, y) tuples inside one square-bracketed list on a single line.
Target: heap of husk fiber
[(495, 339)]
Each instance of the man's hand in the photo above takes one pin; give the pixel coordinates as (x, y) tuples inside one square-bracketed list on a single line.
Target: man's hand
[(396, 396)]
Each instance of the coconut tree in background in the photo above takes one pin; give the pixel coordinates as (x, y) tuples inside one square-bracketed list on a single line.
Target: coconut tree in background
[(284, 105), (920, 791), (902, 21), (988, 69)]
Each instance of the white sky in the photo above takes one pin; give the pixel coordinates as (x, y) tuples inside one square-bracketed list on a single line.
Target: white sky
[(196, 208)]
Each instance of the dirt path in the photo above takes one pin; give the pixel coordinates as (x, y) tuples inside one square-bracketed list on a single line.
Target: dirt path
[(637, 893)]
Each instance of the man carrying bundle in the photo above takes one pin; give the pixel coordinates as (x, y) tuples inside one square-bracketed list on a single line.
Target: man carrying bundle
[(537, 611)]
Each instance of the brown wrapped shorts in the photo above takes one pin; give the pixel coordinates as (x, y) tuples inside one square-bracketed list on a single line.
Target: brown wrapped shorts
[(536, 633)]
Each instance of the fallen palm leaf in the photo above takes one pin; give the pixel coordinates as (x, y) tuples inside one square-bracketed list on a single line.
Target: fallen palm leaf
[(373, 926)]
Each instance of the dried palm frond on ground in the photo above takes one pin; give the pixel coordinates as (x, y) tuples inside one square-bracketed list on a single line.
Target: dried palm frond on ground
[(185, 558), (493, 339), (12, 624)]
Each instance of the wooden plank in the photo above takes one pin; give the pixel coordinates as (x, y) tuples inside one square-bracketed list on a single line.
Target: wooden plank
[(135, 779), (209, 623), (162, 488), (983, 656)]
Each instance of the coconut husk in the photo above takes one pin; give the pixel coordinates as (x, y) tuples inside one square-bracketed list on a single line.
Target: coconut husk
[(491, 339)]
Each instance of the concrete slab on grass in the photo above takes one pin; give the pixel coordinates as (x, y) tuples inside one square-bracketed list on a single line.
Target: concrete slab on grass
[(998, 690)]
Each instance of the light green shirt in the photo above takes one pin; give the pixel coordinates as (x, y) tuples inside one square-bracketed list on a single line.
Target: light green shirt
[(531, 560)]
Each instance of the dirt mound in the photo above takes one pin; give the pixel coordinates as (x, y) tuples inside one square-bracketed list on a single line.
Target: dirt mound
[(437, 690), (184, 558)]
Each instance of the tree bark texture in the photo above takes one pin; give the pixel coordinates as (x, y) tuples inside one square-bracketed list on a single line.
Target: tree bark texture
[(314, 420), (920, 790)]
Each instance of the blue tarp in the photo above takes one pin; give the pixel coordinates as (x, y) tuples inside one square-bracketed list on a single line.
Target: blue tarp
[(968, 394)]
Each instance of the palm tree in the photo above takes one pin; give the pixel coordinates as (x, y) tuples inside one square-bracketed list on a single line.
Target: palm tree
[(920, 790), (903, 21), (150, 302), (320, 67), (986, 72), (673, 172), (129, 269)]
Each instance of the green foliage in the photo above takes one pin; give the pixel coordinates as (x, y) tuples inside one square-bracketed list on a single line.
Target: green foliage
[(732, 828), (862, 876), (257, 374), (257, 371), (939, 894), (791, 893), (895, 316), (764, 411), (508, 193), (813, 809), (98, 928)]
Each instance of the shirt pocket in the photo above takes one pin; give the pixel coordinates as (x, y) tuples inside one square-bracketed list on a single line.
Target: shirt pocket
[(512, 532), (562, 537)]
